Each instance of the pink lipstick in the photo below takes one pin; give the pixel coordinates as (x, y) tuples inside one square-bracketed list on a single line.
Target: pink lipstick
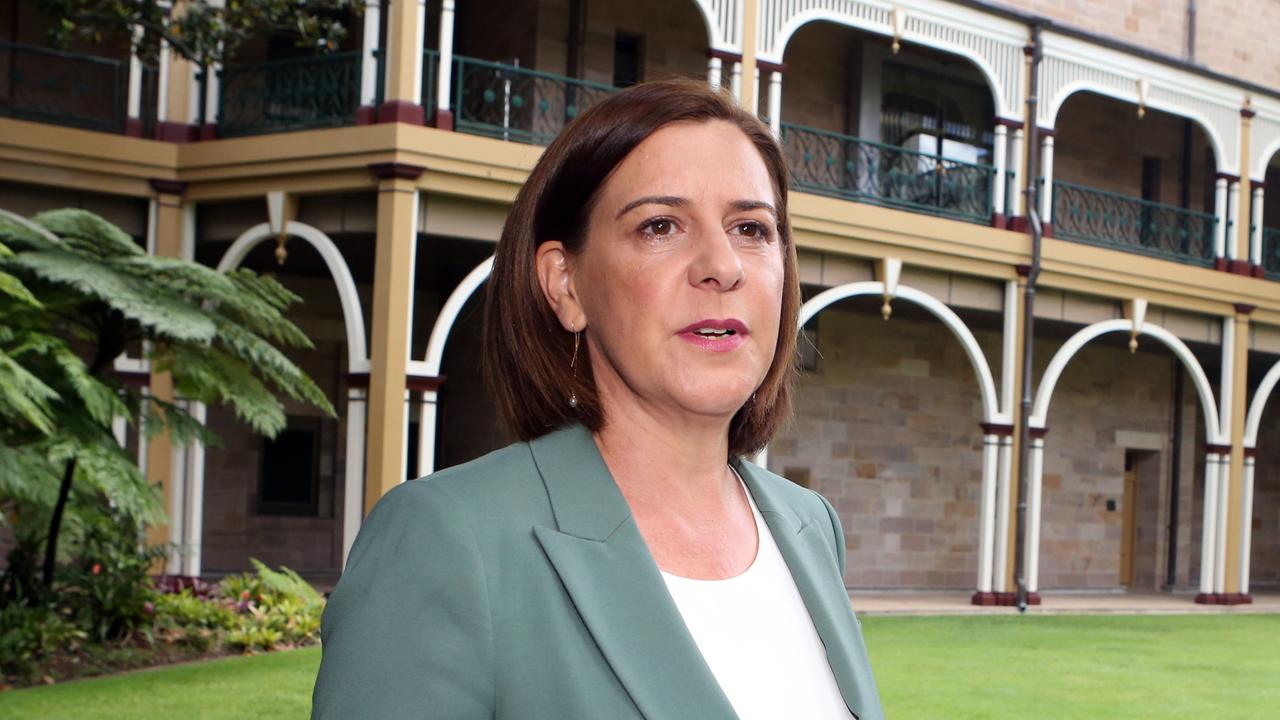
[(715, 335)]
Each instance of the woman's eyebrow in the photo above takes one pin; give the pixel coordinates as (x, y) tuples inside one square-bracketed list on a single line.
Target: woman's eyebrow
[(669, 200), (741, 205)]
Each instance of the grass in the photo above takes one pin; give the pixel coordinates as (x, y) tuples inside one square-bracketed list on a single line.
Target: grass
[(958, 668)]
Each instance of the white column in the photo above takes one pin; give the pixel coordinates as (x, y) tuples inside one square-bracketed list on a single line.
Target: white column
[(193, 530), (135, 78), (369, 56), (714, 72), (142, 435), (1031, 558), (1255, 227), (735, 79), (427, 432), (755, 108), (1046, 196), (998, 158), (213, 94), (1003, 496), (1220, 214), (1220, 537), (1208, 532), (419, 37), (775, 103), (1019, 175), (162, 90), (444, 67), (1233, 212), (353, 473), (177, 511), (987, 510), (120, 429), (1246, 522), (1225, 409)]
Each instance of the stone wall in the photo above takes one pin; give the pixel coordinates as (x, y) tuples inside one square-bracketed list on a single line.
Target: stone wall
[(1233, 37)]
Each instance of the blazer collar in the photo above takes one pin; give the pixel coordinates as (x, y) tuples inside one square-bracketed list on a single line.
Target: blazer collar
[(614, 582)]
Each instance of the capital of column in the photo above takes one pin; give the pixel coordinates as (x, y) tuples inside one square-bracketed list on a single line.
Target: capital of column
[(1000, 429), (391, 170), (167, 186)]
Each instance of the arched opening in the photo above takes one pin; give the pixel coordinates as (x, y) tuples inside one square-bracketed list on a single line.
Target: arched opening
[(1262, 475), (1118, 489), (1268, 239), (881, 427), (1142, 184), (282, 500), (911, 130)]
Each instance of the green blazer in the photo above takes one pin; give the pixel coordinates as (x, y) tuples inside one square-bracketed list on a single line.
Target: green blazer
[(518, 586)]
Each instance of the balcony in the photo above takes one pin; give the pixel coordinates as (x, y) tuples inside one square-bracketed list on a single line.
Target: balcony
[(518, 104), (1098, 217), (829, 163), (69, 88), (283, 95)]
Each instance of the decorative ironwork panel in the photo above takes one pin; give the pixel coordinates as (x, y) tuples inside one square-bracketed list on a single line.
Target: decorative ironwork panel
[(516, 104), (1271, 252), (321, 91), (63, 88), (430, 73), (1113, 220), (833, 164)]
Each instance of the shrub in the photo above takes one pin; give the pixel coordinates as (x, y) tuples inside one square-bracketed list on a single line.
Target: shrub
[(30, 633)]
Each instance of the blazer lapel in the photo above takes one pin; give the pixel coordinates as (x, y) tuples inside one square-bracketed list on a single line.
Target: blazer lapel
[(816, 574), (614, 583)]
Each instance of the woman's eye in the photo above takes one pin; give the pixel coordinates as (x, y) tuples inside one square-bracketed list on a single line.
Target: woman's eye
[(658, 227), (753, 230)]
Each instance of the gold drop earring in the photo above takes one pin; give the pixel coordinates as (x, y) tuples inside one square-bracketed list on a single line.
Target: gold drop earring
[(573, 365)]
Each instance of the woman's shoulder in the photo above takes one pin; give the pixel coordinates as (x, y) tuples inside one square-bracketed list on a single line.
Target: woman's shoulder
[(798, 497)]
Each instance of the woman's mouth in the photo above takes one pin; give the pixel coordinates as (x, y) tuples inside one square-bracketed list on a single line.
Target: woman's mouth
[(715, 335)]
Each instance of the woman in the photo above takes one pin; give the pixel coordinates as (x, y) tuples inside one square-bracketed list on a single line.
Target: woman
[(623, 560)]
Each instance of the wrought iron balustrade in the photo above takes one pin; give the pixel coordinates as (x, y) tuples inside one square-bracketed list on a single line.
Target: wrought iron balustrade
[(1271, 252), (518, 104), (63, 88), (430, 73), (1105, 218), (282, 95), (844, 166)]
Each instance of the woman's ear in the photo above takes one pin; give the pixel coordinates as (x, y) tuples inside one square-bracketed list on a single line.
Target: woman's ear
[(555, 276)]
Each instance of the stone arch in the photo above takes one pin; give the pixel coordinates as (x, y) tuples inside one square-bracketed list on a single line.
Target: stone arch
[(352, 314)]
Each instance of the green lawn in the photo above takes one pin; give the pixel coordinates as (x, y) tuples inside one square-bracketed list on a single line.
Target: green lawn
[(965, 668)]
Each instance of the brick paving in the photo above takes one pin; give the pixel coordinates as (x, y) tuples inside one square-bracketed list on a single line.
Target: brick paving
[(868, 603)]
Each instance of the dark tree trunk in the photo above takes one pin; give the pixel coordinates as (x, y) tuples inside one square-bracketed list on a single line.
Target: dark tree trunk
[(55, 524)]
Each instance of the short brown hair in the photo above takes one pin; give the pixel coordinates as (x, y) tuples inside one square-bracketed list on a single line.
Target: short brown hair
[(527, 351)]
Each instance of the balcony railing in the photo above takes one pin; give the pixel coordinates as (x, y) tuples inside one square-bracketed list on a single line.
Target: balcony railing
[(833, 164), (514, 103), (1105, 218), (63, 88), (1271, 252), (298, 94), (430, 73)]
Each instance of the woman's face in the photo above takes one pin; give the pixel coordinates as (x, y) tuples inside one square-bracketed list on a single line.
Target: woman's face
[(680, 278)]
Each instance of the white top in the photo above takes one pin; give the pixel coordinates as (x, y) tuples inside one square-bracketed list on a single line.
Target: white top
[(758, 639)]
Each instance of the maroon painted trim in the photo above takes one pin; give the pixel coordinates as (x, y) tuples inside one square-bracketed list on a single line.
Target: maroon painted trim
[(176, 132), (983, 599), (1239, 267), (1023, 269), (208, 131), (358, 380), (1227, 176), (1218, 449), (1046, 230), (998, 221), (1251, 452), (1247, 113), (1244, 308), (1257, 184), (1234, 599), (1206, 599), (401, 111), (1037, 432), (444, 119), (133, 127), (420, 383), (1003, 429), (388, 170), (766, 66), (1050, 132), (136, 378), (366, 115), (1010, 599), (724, 55), (1257, 271), (1011, 124), (1018, 223), (1221, 264), (165, 186)]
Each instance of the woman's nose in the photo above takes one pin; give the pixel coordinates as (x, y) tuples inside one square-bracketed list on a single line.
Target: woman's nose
[(716, 264)]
